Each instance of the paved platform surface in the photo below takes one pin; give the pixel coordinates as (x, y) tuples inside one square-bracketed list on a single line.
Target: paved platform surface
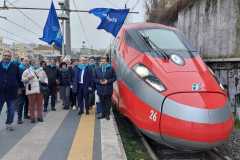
[(64, 135)]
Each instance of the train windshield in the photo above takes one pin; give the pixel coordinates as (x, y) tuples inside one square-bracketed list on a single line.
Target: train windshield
[(164, 41)]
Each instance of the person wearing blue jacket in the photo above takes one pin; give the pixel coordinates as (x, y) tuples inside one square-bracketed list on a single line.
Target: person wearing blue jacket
[(82, 84), (9, 83), (104, 79)]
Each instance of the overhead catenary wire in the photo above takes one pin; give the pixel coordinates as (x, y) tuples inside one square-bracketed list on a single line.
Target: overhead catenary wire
[(21, 26), (15, 35), (15, 1), (29, 18), (12, 39), (47, 9), (112, 4), (80, 21), (135, 5)]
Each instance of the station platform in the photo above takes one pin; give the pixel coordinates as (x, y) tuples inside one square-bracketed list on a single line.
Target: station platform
[(64, 135)]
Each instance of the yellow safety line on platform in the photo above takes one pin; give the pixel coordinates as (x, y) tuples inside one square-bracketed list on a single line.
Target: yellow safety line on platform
[(82, 146)]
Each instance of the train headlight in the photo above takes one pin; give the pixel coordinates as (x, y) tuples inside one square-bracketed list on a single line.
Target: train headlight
[(177, 59), (145, 74), (141, 71), (215, 77)]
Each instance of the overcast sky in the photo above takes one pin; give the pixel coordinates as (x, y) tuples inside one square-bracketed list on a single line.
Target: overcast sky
[(93, 37)]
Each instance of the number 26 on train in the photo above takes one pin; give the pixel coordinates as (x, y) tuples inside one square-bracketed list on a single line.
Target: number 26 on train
[(153, 115)]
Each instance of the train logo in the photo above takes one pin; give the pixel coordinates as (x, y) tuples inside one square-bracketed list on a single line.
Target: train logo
[(196, 86)]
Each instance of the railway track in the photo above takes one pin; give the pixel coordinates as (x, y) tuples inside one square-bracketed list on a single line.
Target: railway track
[(160, 152)]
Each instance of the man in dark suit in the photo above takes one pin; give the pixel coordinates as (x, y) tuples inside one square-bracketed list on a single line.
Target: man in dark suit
[(82, 84), (104, 79), (9, 83), (91, 96)]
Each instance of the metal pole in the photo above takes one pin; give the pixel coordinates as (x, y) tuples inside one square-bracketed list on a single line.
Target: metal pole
[(68, 29), (62, 24), (63, 32)]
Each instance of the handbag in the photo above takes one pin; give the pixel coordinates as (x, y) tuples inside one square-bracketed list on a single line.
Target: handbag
[(43, 86)]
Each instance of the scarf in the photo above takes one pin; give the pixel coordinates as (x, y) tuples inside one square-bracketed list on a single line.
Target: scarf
[(6, 64), (82, 66), (104, 67), (52, 65)]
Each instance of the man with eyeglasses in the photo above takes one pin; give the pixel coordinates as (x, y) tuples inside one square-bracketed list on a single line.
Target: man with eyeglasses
[(9, 83)]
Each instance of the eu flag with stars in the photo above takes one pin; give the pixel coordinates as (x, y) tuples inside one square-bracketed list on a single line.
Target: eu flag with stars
[(52, 32), (111, 19)]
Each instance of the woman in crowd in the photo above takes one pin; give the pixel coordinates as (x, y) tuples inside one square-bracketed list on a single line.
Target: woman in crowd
[(33, 78), (65, 82)]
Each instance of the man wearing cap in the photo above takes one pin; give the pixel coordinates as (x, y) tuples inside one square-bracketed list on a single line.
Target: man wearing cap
[(9, 83)]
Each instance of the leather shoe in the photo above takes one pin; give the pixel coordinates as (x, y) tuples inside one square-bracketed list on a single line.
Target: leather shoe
[(20, 122), (101, 117), (80, 112), (40, 119)]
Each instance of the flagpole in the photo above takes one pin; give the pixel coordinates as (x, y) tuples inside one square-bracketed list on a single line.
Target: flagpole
[(63, 47), (52, 49)]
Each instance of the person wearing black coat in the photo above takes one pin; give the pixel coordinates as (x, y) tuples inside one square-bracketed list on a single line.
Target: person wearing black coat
[(91, 96), (52, 74), (104, 79), (73, 96), (10, 79), (65, 82)]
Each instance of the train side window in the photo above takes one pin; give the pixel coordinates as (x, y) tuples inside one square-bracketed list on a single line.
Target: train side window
[(134, 41)]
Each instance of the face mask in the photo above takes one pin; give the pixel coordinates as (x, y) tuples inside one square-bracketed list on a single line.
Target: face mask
[(35, 67)]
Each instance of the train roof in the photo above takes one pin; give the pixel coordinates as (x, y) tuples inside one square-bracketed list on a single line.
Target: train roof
[(145, 25)]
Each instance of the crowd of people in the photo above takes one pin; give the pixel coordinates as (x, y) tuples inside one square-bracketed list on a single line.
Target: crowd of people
[(27, 86)]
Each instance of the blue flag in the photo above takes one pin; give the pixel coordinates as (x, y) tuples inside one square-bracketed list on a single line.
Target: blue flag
[(52, 32), (111, 19)]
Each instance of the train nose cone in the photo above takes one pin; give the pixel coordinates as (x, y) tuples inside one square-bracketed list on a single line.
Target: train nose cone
[(195, 121)]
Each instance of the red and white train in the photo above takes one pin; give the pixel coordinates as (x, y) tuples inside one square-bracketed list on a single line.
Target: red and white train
[(164, 88)]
